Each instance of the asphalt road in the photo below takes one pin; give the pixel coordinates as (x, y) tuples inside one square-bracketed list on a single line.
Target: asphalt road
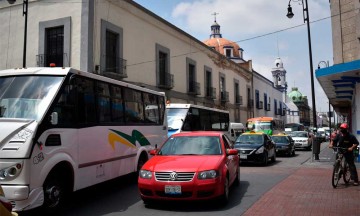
[(120, 196)]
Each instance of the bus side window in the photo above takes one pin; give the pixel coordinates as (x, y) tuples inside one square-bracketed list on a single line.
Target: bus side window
[(86, 100), (65, 105)]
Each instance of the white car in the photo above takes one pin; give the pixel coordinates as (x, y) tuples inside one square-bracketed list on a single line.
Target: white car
[(302, 139)]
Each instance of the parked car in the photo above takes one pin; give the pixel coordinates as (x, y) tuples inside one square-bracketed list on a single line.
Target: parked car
[(303, 139), (190, 166), (256, 147), (5, 205), (284, 144)]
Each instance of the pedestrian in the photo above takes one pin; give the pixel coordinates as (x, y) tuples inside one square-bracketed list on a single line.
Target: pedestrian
[(345, 139), (334, 134)]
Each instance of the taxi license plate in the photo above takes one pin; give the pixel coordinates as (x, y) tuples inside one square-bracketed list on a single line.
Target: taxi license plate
[(243, 156), (172, 189)]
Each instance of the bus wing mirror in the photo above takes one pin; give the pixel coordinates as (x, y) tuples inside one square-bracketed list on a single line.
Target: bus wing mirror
[(54, 118)]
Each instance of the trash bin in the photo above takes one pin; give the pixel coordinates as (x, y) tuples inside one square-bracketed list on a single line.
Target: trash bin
[(316, 147)]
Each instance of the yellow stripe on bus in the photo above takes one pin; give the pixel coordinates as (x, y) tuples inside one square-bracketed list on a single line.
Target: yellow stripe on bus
[(116, 138)]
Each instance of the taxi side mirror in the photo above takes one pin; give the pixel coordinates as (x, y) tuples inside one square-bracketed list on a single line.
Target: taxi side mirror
[(231, 151), (153, 152)]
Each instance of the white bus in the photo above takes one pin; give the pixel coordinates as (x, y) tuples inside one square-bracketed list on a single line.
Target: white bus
[(62, 130), (190, 117)]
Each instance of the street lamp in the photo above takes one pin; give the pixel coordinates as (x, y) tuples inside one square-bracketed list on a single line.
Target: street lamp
[(326, 63), (25, 13), (323, 62), (290, 14)]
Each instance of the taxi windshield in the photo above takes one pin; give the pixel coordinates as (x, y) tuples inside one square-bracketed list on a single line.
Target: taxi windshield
[(250, 139), (279, 139)]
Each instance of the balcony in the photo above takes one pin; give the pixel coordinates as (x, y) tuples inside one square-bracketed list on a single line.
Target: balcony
[(260, 105), (194, 88), (115, 68), (166, 81), (267, 107), (280, 112), (250, 103), (238, 100), (210, 93), (60, 60), (224, 96)]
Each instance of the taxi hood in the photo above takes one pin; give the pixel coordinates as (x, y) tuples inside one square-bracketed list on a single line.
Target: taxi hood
[(187, 163)]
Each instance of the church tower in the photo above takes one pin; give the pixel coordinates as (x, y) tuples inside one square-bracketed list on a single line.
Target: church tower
[(279, 75)]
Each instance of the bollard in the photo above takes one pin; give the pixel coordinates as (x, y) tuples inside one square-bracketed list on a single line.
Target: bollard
[(316, 147)]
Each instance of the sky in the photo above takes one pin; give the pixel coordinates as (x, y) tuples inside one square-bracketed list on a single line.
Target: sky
[(261, 28)]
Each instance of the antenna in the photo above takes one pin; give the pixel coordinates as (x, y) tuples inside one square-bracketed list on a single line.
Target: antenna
[(277, 39)]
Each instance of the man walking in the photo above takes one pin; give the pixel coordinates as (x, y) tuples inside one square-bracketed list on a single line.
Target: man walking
[(345, 139)]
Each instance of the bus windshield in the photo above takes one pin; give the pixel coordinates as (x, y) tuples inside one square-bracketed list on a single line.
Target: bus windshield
[(176, 117), (27, 96), (259, 126)]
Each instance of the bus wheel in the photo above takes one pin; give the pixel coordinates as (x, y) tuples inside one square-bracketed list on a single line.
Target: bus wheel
[(54, 192)]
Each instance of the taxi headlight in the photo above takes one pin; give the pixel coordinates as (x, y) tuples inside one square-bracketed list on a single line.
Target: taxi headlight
[(145, 174), (209, 174), (260, 150)]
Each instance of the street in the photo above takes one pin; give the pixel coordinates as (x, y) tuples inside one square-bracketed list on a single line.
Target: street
[(120, 196)]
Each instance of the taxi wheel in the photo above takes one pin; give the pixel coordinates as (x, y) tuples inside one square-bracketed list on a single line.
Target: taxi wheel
[(237, 179), (273, 158), (225, 196), (266, 159)]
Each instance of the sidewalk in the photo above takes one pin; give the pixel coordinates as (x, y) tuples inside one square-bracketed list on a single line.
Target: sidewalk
[(308, 191)]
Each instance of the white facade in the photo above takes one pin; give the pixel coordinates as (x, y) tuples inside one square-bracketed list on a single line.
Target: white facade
[(268, 100), (141, 36)]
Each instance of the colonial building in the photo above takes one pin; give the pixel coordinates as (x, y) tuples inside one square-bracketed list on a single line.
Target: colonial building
[(123, 40), (263, 97)]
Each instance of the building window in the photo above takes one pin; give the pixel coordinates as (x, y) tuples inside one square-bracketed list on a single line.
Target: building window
[(210, 91), (54, 43), (111, 51), (193, 86), (224, 95), (257, 98), (112, 63), (275, 107), (228, 52), (163, 76), (266, 102), (238, 99), (54, 46)]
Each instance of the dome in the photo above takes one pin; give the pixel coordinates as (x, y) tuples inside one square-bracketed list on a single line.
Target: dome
[(220, 43), (215, 24), (295, 95), (278, 63)]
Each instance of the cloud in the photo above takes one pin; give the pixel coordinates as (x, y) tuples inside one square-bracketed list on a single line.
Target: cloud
[(244, 18)]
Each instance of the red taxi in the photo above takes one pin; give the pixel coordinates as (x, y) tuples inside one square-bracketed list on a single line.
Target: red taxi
[(190, 166)]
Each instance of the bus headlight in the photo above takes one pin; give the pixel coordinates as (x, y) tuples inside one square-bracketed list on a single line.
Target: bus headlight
[(260, 150), (145, 174), (10, 172)]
